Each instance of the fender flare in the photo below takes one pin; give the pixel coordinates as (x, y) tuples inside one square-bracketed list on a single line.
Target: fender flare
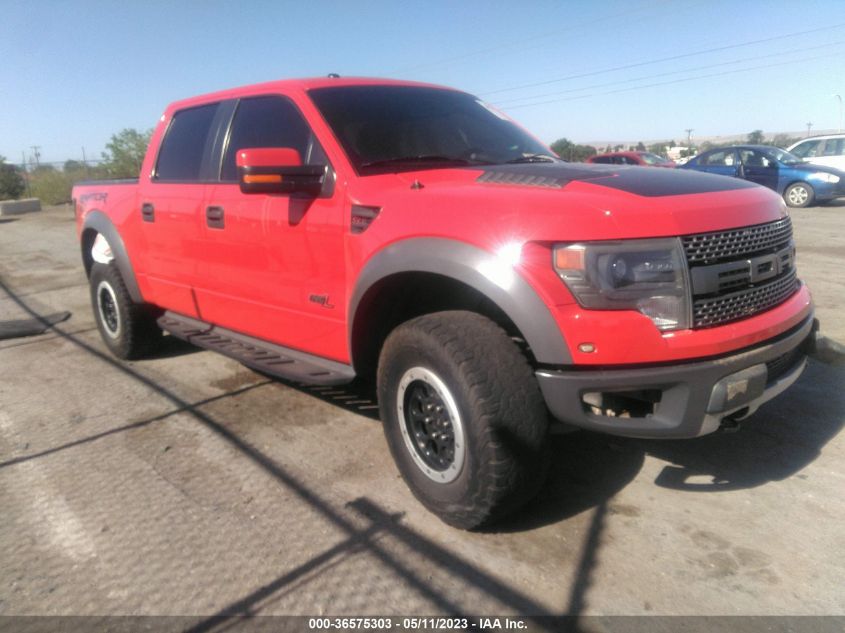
[(98, 221), (489, 274)]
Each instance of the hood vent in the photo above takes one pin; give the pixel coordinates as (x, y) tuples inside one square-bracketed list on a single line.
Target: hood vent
[(526, 180)]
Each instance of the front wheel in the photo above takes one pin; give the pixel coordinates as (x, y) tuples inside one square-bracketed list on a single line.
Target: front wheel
[(128, 329), (799, 195), (463, 416)]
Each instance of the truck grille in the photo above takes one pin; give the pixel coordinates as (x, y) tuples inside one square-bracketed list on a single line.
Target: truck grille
[(708, 248), (739, 305), (738, 273)]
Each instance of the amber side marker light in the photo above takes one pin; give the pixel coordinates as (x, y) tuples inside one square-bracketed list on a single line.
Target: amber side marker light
[(254, 179), (569, 258)]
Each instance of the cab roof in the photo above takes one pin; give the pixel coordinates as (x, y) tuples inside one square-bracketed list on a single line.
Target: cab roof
[(294, 85)]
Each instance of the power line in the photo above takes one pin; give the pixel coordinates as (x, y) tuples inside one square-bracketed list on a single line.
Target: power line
[(511, 45), (507, 102), (664, 59), (675, 81)]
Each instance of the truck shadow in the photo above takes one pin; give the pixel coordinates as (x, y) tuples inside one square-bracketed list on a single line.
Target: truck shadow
[(777, 442)]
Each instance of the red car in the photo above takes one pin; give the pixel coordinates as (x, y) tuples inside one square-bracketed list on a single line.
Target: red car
[(413, 237), (644, 159)]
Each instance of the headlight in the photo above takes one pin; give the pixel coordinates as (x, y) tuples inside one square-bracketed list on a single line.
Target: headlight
[(825, 177), (645, 275)]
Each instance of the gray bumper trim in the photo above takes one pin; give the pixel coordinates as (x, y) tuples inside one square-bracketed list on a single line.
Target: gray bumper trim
[(686, 406)]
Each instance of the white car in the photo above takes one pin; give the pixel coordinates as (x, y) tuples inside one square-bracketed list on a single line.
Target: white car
[(822, 150)]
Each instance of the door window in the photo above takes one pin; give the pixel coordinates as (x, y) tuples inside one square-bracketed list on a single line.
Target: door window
[(753, 158), (183, 148), (270, 122)]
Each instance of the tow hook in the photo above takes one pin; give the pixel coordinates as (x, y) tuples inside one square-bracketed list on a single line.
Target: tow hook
[(731, 423)]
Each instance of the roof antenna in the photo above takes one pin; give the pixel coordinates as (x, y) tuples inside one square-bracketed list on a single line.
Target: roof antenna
[(333, 76)]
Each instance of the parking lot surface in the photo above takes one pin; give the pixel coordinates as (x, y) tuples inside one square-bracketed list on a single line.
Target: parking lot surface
[(187, 484)]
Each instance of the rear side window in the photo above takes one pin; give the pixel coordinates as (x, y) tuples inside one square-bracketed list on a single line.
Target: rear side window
[(720, 159), (834, 147), (603, 159), (270, 122), (183, 148)]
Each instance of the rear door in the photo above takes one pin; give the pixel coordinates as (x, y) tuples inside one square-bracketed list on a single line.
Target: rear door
[(272, 266), (832, 153), (722, 161), (170, 202)]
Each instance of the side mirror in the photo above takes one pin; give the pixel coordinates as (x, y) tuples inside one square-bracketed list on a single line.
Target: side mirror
[(278, 170)]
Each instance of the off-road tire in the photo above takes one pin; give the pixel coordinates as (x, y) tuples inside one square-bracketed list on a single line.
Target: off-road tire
[(128, 329), (501, 410)]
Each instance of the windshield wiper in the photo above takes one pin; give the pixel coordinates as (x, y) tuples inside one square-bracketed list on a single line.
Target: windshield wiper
[(533, 158), (422, 158)]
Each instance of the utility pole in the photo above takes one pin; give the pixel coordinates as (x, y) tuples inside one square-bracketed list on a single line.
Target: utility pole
[(689, 132), (85, 162), (809, 125), (36, 154), (25, 174)]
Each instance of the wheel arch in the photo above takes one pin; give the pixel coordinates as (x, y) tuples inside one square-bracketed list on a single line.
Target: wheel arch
[(422, 275), (97, 222)]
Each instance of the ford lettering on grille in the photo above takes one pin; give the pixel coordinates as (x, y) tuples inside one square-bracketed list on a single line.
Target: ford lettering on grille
[(738, 273)]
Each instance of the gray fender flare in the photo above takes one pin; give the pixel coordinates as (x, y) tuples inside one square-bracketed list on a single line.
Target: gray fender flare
[(100, 222), (490, 275)]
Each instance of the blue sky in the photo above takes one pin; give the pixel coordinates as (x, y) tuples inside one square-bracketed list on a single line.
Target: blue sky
[(73, 73)]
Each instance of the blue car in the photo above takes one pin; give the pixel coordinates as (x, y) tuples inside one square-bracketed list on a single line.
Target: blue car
[(801, 184)]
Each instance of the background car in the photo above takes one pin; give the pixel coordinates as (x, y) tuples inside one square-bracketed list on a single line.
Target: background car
[(822, 150), (801, 184), (644, 159)]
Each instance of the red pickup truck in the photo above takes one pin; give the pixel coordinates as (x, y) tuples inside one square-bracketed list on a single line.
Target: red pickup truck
[(326, 229)]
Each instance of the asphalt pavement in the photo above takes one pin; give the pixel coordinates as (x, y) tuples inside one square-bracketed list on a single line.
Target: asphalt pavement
[(186, 484)]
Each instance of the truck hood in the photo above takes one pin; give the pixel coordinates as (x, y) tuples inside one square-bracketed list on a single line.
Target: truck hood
[(565, 201)]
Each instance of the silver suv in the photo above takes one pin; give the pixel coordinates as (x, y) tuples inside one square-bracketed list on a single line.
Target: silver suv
[(822, 150)]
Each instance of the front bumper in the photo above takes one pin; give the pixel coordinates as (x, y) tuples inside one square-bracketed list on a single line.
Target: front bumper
[(680, 400)]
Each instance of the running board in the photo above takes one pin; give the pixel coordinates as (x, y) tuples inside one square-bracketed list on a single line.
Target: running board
[(260, 355)]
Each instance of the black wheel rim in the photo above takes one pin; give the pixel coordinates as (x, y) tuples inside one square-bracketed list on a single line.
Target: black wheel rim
[(108, 310), (429, 426)]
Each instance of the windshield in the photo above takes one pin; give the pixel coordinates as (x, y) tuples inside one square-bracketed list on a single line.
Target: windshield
[(783, 156), (396, 128), (652, 159)]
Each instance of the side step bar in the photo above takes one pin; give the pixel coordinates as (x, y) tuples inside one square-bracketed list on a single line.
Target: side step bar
[(260, 355)]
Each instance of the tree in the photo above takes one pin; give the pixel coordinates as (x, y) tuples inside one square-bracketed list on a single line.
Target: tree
[(657, 148), (73, 166), (756, 138), (641, 146), (125, 153), (784, 140), (568, 150), (12, 184)]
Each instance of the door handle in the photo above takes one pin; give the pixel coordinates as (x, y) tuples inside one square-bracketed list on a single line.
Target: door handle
[(148, 212), (215, 218)]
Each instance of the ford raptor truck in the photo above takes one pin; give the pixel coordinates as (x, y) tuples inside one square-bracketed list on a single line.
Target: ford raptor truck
[(411, 235)]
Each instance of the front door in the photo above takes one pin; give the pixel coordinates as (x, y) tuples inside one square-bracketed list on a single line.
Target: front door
[(759, 167), (272, 266)]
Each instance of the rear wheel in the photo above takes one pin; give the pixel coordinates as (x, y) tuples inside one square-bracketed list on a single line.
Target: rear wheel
[(799, 194), (128, 329), (463, 416)]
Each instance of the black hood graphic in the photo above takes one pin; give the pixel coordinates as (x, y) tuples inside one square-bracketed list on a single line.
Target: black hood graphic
[(640, 181)]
